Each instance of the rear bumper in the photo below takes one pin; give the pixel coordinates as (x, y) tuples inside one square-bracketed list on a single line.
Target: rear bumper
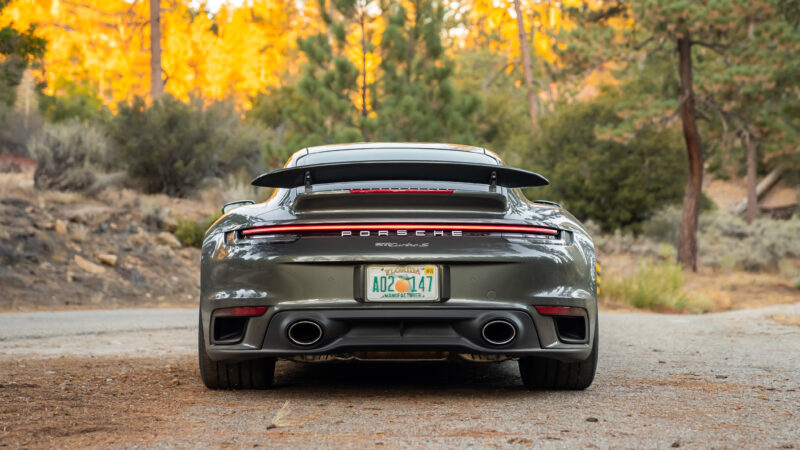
[(348, 330)]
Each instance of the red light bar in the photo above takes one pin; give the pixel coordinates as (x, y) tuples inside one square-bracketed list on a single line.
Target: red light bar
[(560, 311), (401, 191), (240, 311), (404, 226)]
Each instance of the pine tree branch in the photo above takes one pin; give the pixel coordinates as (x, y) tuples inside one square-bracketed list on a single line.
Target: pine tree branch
[(716, 47), (642, 44), (607, 13)]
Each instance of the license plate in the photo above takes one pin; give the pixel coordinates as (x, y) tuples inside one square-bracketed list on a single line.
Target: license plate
[(402, 283)]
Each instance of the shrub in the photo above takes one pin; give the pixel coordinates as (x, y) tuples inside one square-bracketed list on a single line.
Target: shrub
[(236, 144), (616, 182), (69, 156), (74, 101), (191, 233), (164, 146), (183, 143), (727, 241), (19, 123), (657, 287), (664, 225)]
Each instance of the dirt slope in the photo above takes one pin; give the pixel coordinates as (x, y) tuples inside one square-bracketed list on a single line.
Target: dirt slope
[(112, 248)]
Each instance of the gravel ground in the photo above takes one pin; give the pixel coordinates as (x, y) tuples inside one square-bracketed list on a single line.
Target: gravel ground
[(126, 378)]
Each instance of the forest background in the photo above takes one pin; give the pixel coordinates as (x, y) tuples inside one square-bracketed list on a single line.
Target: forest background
[(632, 108)]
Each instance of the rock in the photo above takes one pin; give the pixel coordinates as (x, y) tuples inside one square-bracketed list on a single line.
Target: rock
[(170, 224), (676, 444), (137, 241), (164, 252), (60, 227), (90, 215), (108, 259), (168, 239), (161, 220), (88, 266)]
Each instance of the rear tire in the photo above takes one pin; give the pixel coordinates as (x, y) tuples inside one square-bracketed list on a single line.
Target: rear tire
[(547, 373), (250, 374)]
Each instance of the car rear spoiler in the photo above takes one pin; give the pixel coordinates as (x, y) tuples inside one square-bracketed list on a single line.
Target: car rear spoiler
[(400, 170)]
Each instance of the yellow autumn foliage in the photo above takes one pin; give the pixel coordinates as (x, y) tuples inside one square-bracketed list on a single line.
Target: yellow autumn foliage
[(105, 43), (241, 50)]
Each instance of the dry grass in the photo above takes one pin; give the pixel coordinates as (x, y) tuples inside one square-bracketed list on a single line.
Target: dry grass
[(655, 286), (722, 289)]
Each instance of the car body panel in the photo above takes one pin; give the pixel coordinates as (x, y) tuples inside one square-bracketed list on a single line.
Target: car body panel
[(320, 277)]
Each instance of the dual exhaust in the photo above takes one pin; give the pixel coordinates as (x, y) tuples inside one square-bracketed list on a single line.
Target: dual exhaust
[(306, 333), (499, 332)]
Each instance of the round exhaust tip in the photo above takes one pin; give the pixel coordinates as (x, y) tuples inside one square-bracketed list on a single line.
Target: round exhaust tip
[(499, 332), (304, 332)]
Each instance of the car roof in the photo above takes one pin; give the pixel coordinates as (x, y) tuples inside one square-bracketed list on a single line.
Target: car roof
[(390, 151)]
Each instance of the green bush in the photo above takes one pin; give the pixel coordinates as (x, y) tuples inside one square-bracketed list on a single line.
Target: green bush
[(172, 146), (617, 182), (236, 144), (74, 101), (727, 241), (164, 147), (658, 287), (191, 233), (69, 155)]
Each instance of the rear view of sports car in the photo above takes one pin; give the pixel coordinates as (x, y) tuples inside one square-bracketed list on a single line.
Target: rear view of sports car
[(398, 252)]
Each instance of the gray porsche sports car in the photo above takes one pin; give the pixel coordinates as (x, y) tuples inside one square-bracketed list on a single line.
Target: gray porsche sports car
[(398, 252)]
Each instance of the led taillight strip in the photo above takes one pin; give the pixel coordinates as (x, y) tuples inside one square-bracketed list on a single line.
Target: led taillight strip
[(401, 191), (240, 311), (560, 311), (402, 226)]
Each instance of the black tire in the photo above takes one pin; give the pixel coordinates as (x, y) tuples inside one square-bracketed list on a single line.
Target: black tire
[(547, 373), (250, 374)]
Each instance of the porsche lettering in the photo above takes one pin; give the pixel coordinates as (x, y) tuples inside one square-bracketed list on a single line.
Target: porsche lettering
[(402, 233)]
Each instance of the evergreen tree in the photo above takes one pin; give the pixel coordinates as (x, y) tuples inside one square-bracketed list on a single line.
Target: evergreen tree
[(417, 100), (325, 110), (17, 50), (615, 183), (412, 98), (717, 49)]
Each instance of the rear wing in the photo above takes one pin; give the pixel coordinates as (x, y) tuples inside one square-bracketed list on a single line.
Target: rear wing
[(400, 170)]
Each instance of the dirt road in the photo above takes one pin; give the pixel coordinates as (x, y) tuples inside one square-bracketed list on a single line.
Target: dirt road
[(128, 377)]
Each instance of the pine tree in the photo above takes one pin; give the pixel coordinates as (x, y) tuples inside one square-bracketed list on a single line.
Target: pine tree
[(717, 51), (417, 101), (326, 109), (17, 51)]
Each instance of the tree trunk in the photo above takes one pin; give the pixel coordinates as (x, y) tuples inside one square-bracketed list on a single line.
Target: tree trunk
[(363, 65), (687, 241), (156, 78), (527, 68), (752, 180), (762, 189)]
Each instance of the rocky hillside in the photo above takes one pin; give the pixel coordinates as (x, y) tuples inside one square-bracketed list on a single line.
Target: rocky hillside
[(113, 248)]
